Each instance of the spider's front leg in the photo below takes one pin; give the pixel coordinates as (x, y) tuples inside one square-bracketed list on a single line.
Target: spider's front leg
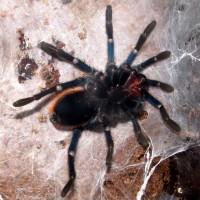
[(71, 157), (109, 31), (140, 42), (64, 56)]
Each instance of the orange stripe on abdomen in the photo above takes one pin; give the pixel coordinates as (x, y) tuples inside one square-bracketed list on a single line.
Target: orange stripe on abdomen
[(62, 94)]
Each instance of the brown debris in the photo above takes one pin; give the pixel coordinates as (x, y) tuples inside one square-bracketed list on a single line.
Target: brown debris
[(59, 44), (46, 22), (61, 144), (66, 1), (125, 183), (42, 118), (72, 53), (185, 174), (26, 185), (82, 35), (3, 14), (26, 68), (22, 39), (143, 115), (158, 180), (50, 75)]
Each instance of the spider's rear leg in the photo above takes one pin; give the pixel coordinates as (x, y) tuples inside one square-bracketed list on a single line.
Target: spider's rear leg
[(140, 42), (71, 157), (163, 86), (64, 56), (142, 138), (109, 32), (108, 136), (109, 142), (172, 124)]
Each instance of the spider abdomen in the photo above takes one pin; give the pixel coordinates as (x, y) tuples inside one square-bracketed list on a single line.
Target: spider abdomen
[(72, 108)]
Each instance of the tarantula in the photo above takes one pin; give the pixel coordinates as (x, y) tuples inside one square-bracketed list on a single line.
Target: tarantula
[(97, 98)]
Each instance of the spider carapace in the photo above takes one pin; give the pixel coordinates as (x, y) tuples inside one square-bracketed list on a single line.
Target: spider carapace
[(99, 97)]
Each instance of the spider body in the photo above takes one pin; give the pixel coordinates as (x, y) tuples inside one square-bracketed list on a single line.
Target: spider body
[(101, 98), (95, 97)]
